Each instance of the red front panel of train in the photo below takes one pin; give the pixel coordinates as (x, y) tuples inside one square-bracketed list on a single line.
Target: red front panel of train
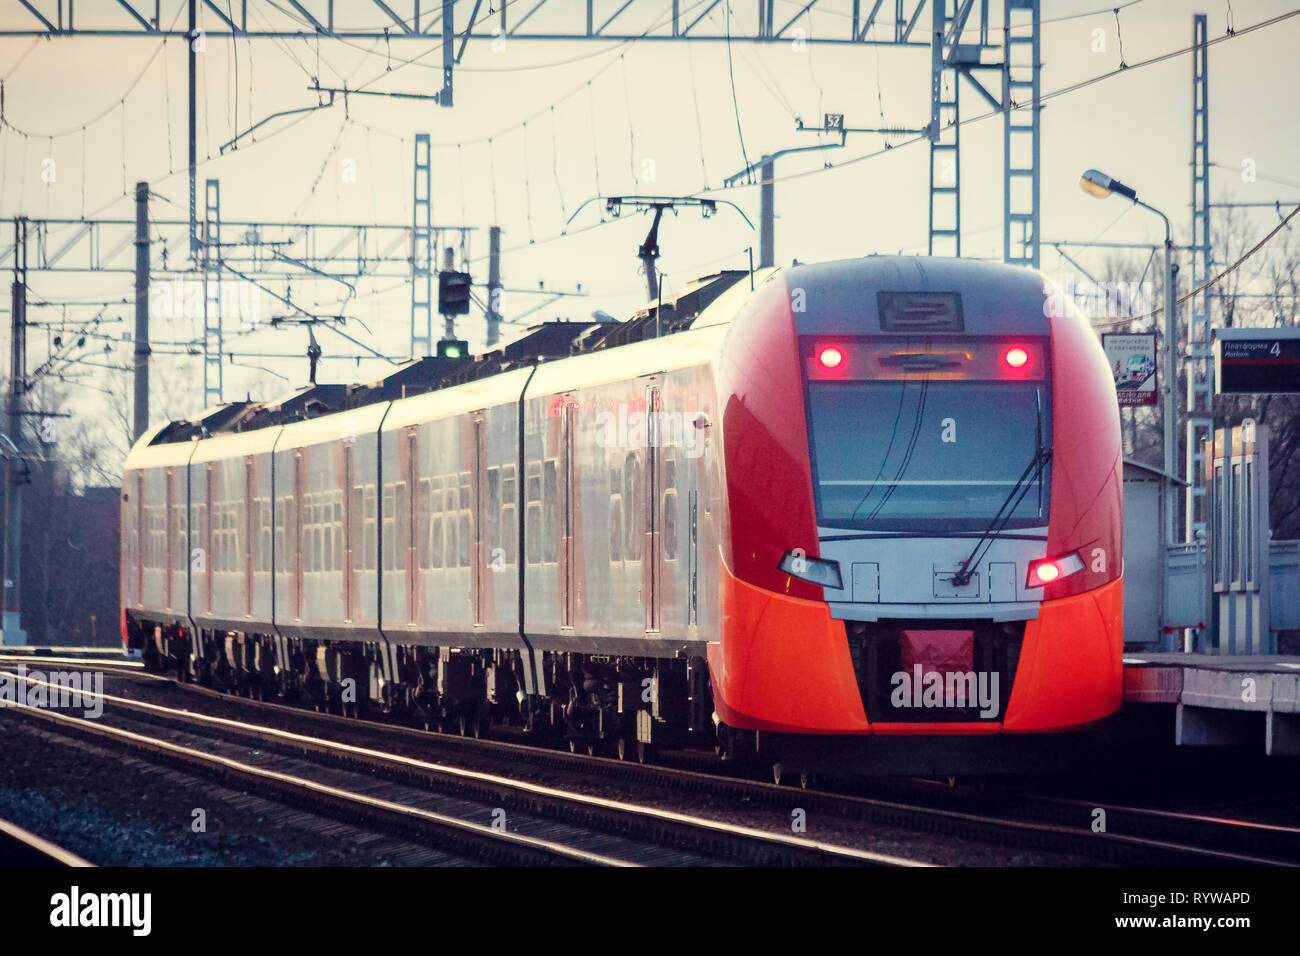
[(785, 661)]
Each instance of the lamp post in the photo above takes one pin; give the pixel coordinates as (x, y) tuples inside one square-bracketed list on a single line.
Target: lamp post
[(1100, 185)]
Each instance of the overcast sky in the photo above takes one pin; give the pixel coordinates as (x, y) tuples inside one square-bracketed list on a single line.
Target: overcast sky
[(568, 121)]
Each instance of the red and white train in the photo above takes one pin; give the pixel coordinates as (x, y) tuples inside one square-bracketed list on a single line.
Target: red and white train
[(859, 516)]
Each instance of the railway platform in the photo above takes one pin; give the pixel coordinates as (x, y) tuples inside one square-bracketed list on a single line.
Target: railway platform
[(1244, 700)]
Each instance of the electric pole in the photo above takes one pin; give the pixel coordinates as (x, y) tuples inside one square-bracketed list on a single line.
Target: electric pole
[(13, 513), (141, 308)]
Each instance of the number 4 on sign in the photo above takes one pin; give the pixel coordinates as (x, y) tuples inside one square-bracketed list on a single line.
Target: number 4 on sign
[(1276, 349)]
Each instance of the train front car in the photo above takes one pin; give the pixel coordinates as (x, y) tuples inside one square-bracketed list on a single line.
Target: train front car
[(923, 467)]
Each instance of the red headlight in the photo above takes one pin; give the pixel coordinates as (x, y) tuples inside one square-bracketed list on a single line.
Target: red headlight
[(830, 357), (1016, 357), (1053, 569)]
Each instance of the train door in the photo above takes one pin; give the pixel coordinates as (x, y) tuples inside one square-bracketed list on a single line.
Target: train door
[(295, 533), (568, 508), (249, 531), (478, 560), (652, 509), (351, 520), (169, 476), (141, 537), (406, 508), (210, 509)]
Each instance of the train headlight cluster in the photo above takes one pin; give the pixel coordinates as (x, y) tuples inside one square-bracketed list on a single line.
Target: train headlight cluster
[(1016, 357), (1053, 569)]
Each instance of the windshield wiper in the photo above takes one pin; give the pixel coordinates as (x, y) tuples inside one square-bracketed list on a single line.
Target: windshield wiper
[(967, 570)]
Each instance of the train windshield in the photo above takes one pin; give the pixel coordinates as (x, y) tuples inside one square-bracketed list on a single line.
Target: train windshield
[(928, 455)]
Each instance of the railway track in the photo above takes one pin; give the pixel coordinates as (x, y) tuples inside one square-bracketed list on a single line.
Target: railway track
[(18, 847), (1052, 824), (1172, 839), (1269, 843), (546, 826)]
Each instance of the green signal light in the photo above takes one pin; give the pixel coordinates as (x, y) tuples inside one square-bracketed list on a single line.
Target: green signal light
[(452, 351)]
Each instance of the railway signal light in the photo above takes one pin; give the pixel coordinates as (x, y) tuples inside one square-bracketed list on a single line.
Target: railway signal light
[(453, 293), (453, 348)]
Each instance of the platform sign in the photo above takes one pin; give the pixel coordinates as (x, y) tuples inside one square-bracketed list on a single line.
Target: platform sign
[(1132, 358), (1253, 361)]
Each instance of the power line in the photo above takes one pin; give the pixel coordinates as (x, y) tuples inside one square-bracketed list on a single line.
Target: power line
[(731, 73), (1063, 91), (1201, 288)]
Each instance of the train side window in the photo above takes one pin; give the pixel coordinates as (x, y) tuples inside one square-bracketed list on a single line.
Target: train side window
[(670, 508), (616, 529), (551, 512), (304, 523), (632, 507), (465, 532), (670, 525), (219, 536), (389, 539), (181, 554), (533, 516), (338, 530), (435, 526), (493, 514), (355, 524), (263, 535), (449, 524), (401, 526), (422, 522), (371, 544), (615, 513), (239, 557), (317, 538), (510, 531)]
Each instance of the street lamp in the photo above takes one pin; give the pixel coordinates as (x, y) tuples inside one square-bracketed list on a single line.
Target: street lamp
[(1098, 184)]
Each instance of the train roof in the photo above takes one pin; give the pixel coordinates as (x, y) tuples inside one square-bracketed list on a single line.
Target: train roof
[(544, 342), (707, 301)]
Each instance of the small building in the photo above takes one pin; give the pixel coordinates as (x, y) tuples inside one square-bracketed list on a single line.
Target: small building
[(1147, 492)]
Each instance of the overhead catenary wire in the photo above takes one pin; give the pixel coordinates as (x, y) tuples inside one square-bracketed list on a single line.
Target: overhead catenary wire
[(555, 170), (1044, 98), (528, 190), (830, 167), (1209, 282), (735, 103), (699, 126)]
